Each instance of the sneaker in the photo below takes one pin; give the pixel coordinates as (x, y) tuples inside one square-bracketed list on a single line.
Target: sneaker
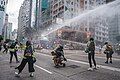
[(17, 74), (95, 68), (31, 74), (106, 62), (111, 62), (17, 61), (16, 67), (90, 69), (10, 62)]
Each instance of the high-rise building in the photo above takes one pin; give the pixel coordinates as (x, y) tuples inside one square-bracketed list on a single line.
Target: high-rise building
[(97, 27), (64, 9), (9, 31), (46, 18), (114, 25), (68, 9), (5, 27), (3, 4), (24, 20), (14, 34)]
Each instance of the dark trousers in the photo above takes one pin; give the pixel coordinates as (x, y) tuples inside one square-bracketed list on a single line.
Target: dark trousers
[(6, 50), (91, 55), (0, 47), (23, 63), (108, 56), (11, 56)]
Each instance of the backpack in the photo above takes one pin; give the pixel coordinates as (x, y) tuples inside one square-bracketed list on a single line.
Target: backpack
[(12, 46), (28, 51), (110, 49)]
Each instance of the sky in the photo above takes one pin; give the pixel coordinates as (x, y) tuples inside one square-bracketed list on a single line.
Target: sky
[(13, 7)]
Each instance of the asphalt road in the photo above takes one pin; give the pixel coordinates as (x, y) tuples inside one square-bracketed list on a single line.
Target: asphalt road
[(76, 68)]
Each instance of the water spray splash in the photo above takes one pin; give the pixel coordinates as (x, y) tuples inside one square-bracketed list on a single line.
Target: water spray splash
[(106, 10)]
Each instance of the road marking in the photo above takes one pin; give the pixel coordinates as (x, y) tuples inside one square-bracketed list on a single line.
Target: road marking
[(81, 62), (116, 59), (43, 69), (101, 66), (44, 54), (103, 57)]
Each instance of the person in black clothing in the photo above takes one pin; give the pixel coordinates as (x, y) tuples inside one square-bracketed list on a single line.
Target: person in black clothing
[(28, 58), (58, 54), (0, 45), (13, 51), (5, 47), (108, 51), (91, 53)]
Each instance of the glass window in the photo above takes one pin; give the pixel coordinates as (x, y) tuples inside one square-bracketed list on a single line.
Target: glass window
[(71, 9), (85, 2), (72, 3), (1, 2)]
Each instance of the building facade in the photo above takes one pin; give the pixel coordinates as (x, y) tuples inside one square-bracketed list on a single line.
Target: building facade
[(107, 1), (14, 34), (64, 9), (9, 31), (3, 4), (68, 9), (97, 27), (5, 27), (114, 26), (23, 19)]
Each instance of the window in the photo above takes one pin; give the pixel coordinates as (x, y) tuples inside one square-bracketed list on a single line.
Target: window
[(85, 2), (85, 29), (1, 2), (97, 33), (96, 37), (72, 3), (99, 38), (71, 9)]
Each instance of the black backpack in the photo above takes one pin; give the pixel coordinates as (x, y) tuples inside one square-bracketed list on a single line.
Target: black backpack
[(12, 46)]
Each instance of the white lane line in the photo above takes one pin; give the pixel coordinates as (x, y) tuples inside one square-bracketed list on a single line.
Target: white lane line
[(43, 69), (81, 55), (81, 62), (101, 66), (44, 54), (103, 57)]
